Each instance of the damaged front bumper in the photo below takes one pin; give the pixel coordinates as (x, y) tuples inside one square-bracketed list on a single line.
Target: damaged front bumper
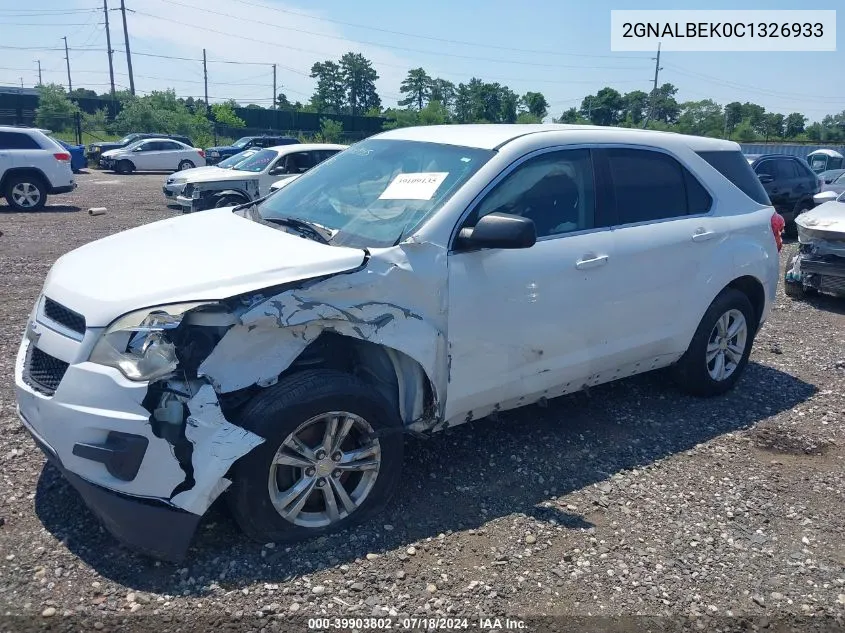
[(149, 484), (151, 527), (820, 262)]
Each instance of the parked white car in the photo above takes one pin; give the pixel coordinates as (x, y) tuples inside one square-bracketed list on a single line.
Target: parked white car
[(32, 166), (174, 184), (153, 154), (251, 179), (423, 278)]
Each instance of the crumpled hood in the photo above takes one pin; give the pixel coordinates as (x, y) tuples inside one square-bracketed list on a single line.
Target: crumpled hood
[(215, 174), (201, 256), (826, 220), (190, 174)]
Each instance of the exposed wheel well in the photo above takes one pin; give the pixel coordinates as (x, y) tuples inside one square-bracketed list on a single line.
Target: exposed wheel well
[(398, 377), (753, 289)]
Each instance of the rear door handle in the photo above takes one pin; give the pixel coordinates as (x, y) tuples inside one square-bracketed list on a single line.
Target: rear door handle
[(702, 236), (591, 262)]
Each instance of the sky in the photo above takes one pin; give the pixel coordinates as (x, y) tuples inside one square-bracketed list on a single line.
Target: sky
[(560, 48)]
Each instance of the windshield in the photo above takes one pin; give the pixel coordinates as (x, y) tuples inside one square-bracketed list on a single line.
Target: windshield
[(258, 161), (128, 139), (377, 191), (237, 158), (242, 141), (840, 179)]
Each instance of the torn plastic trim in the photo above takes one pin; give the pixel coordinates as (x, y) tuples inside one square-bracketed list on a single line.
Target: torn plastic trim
[(204, 442)]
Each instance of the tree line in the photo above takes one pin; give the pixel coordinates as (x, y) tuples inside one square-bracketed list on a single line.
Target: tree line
[(348, 86)]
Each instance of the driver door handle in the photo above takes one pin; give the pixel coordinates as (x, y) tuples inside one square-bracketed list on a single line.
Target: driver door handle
[(702, 235), (590, 261)]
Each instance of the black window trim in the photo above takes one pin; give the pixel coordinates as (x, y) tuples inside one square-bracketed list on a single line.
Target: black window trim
[(607, 184), (507, 171)]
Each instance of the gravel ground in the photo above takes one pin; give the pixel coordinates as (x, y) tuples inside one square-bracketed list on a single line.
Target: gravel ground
[(631, 499)]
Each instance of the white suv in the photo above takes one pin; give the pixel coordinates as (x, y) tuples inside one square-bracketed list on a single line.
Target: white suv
[(32, 165), (420, 279)]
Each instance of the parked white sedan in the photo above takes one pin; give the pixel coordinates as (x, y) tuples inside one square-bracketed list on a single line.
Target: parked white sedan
[(154, 154)]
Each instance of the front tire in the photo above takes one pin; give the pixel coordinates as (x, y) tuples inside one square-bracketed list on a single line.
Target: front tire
[(26, 193), (124, 167), (720, 348), (228, 201), (320, 469)]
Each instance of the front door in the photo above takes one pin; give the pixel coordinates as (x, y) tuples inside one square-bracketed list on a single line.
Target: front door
[(525, 321)]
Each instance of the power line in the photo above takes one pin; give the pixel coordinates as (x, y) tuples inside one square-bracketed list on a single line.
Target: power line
[(313, 52), (432, 38), (750, 88)]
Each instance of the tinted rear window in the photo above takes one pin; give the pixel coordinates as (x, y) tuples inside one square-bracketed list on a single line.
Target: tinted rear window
[(17, 140), (735, 167)]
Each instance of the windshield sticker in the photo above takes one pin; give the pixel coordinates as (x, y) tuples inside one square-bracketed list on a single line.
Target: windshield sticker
[(415, 186)]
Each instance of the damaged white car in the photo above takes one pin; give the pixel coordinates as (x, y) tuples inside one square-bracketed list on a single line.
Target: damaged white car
[(423, 278), (250, 179), (819, 265)]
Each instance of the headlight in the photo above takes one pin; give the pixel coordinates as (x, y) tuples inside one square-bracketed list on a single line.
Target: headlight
[(138, 344)]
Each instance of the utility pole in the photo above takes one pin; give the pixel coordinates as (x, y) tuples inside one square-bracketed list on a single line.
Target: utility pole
[(39, 71), (128, 54), (67, 59), (590, 108), (657, 70), (205, 80), (21, 83), (274, 86), (108, 46)]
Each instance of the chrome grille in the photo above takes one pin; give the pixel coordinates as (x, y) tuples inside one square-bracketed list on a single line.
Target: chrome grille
[(64, 316), (43, 372)]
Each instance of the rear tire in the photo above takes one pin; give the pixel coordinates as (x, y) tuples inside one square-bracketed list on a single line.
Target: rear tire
[(185, 164), (303, 403), (26, 193), (716, 347)]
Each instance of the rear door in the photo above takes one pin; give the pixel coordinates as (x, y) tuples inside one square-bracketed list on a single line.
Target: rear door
[(663, 240), (169, 155)]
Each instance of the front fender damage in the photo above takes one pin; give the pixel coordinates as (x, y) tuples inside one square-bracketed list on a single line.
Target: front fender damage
[(263, 335)]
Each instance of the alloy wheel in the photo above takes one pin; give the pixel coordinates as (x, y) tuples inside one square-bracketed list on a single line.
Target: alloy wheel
[(325, 469), (26, 195), (726, 345)]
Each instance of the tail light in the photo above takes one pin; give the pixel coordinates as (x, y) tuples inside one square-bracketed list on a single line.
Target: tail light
[(62, 157), (778, 225), (201, 153)]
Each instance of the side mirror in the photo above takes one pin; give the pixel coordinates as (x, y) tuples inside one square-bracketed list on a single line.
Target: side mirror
[(825, 196), (499, 230), (765, 178)]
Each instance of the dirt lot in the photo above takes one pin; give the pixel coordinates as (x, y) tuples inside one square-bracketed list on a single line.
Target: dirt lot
[(630, 500)]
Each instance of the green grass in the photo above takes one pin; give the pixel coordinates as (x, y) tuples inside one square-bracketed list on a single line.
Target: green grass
[(87, 137)]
